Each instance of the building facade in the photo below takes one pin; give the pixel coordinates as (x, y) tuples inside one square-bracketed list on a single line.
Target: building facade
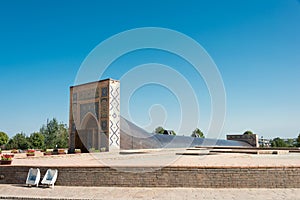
[(94, 121)]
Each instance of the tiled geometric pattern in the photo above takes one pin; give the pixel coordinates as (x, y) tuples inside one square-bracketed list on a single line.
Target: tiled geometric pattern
[(104, 92), (114, 115), (104, 107), (104, 125)]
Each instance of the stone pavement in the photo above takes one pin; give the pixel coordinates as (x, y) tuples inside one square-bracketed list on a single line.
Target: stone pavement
[(163, 157), (107, 193), (156, 158)]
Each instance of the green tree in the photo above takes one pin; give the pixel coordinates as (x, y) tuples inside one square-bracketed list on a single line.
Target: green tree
[(37, 141), (290, 142), (278, 142), (62, 136), (173, 132), (198, 133), (298, 140), (159, 130), (19, 141), (3, 138), (55, 134), (248, 133)]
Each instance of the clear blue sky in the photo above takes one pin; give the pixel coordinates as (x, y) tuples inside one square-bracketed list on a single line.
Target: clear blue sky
[(254, 43)]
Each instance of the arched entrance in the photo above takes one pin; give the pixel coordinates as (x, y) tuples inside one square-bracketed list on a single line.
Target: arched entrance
[(95, 116), (89, 136)]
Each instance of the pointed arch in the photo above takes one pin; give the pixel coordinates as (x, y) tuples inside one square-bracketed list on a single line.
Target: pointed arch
[(89, 133), (89, 119)]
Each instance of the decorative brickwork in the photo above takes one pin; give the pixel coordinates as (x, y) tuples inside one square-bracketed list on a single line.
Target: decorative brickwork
[(201, 177)]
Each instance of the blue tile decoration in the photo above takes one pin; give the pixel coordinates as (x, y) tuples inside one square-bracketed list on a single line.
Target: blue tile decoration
[(104, 125), (104, 92), (104, 107)]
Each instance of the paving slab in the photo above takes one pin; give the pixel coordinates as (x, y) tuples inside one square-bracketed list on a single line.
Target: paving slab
[(109, 193), (169, 157)]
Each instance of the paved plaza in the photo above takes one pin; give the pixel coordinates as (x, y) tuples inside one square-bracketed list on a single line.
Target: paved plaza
[(63, 192), (158, 158)]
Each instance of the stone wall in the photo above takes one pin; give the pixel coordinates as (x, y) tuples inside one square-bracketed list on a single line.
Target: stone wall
[(202, 177), (250, 139)]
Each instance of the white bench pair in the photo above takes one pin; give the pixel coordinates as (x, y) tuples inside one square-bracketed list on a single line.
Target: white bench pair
[(34, 176)]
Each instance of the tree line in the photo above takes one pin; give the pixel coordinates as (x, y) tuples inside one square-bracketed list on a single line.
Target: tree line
[(276, 142), (51, 135), (279, 142), (54, 134), (196, 133)]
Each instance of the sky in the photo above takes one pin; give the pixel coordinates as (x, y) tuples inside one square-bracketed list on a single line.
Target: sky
[(255, 45)]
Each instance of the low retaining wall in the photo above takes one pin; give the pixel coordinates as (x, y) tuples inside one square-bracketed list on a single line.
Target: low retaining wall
[(198, 177)]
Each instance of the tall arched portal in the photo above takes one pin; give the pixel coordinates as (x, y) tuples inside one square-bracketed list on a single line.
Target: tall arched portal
[(89, 136), (95, 116)]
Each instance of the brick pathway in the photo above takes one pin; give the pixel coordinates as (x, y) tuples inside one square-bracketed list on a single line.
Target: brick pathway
[(166, 157), (107, 193)]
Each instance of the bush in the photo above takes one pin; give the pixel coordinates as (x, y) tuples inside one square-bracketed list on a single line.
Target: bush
[(3, 138)]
